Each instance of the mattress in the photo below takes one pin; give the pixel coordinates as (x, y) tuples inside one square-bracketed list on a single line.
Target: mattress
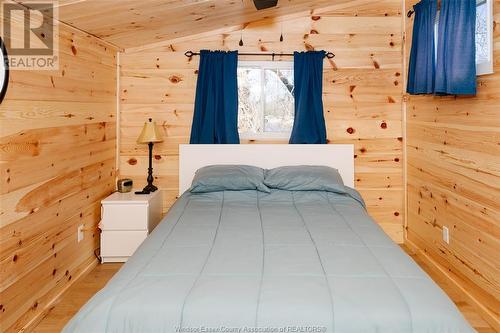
[(248, 261)]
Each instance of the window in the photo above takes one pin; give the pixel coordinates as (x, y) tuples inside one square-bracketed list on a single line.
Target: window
[(265, 99), (484, 36)]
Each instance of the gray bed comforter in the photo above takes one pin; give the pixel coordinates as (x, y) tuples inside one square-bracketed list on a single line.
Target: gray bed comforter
[(248, 261)]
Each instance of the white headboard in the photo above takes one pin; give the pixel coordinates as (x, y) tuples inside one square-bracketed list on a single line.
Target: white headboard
[(193, 157)]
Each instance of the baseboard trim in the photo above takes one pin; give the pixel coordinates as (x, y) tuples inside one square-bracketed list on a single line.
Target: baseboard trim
[(29, 326), (487, 315)]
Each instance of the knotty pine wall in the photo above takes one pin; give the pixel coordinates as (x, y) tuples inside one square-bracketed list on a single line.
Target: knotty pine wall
[(453, 147), (362, 97), (57, 147)]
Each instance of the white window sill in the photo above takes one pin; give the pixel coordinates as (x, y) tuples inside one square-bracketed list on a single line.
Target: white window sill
[(484, 68), (279, 136)]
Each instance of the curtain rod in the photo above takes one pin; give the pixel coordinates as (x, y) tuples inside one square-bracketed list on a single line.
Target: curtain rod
[(411, 11), (328, 55)]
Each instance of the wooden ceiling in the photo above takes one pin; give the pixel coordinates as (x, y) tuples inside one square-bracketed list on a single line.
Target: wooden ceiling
[(135, 23)]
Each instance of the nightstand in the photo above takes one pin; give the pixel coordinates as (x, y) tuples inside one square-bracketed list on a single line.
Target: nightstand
[(126, 220)]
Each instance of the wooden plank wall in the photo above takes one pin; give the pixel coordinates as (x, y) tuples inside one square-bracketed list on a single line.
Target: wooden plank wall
[(57, 148), (362, 96), (453, 146)]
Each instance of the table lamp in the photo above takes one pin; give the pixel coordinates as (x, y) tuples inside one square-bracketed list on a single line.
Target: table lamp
[(150, 134)]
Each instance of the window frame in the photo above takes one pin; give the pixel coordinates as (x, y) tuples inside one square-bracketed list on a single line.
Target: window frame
[(486, 67), (266, 64)]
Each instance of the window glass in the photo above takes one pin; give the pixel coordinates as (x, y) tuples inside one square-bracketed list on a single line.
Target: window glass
[(250, 115), (279, 103), (482, 38), (265, 98)]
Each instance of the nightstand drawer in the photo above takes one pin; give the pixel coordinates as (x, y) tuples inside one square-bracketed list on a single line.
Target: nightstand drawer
[(121, 243), (125, 217)]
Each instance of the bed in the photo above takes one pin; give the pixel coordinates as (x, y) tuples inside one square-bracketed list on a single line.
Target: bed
[(282, 261)]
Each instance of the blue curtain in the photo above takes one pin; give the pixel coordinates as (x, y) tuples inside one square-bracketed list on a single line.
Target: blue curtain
[(309, 122), (215, 118), (456, 52), (421, 69)]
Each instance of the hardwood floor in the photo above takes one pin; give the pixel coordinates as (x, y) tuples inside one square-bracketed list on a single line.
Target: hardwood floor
[(86, 287), (76, 296), (468, 310)]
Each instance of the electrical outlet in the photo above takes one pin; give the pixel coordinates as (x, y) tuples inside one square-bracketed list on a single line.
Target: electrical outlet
[(446, 235), (80, 234)]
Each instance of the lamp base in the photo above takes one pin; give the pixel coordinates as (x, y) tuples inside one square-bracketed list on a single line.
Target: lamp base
[(149, 188)]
